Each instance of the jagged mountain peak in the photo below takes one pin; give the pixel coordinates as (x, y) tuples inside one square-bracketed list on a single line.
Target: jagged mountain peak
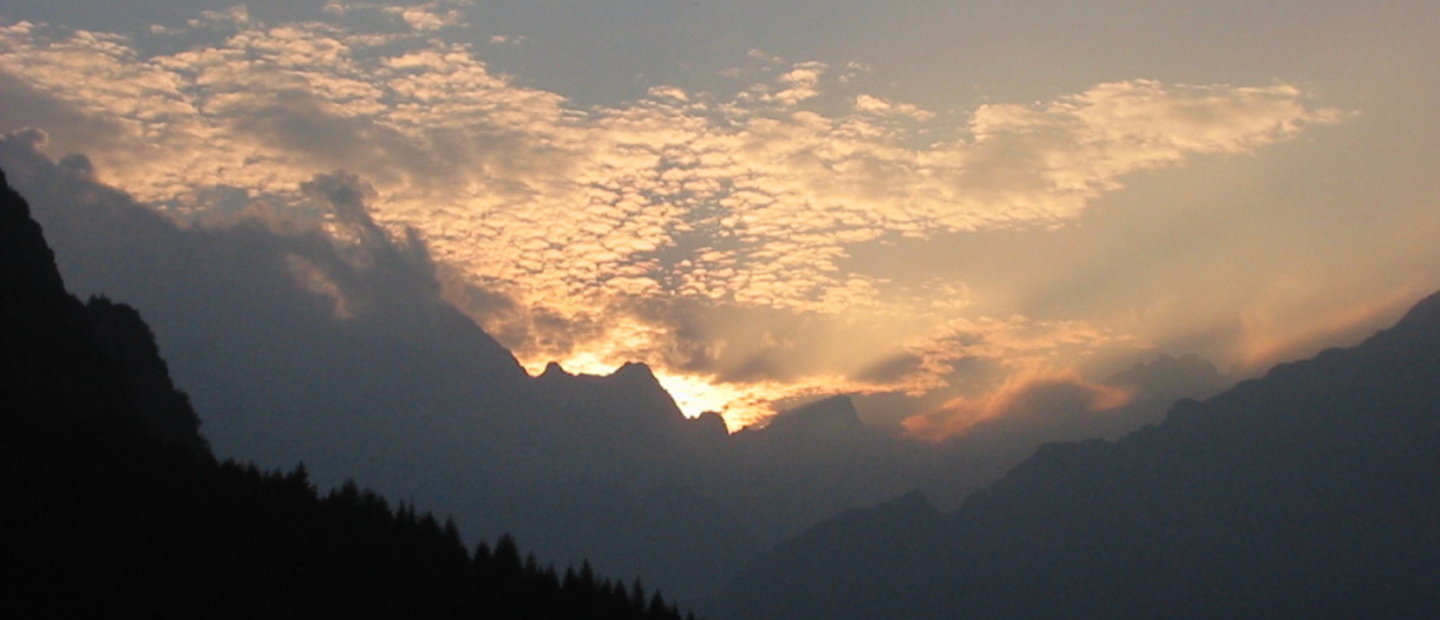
[(636, 374), (629, 372), (554, 370)]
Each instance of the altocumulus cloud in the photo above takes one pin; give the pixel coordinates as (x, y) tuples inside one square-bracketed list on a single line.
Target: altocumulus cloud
[(628, 232)]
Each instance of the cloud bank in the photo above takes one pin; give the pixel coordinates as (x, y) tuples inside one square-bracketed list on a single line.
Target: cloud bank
[(707, 234)]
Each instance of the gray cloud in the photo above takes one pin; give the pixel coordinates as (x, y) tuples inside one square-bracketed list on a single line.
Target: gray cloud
[(601, 182), (742, 206)]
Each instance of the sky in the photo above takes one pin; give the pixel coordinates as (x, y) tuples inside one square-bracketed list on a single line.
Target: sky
[(929, 205)]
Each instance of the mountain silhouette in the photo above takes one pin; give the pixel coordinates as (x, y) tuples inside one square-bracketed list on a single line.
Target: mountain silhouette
[(115, 506), (1307, 493), (82, 371), (811, 462), (1058, 413), (338, 351), (344, 357)]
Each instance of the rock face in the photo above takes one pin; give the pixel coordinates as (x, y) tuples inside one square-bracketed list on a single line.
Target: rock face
[(80, 371), (1308, 493), (338, 351), (114, 505)]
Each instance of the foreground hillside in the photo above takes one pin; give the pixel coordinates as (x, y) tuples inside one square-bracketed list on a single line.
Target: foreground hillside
[(369, 371), (1309, 493), (114, 504)]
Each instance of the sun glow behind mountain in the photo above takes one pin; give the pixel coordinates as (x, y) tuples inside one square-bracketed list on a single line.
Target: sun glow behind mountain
[(781, 224)]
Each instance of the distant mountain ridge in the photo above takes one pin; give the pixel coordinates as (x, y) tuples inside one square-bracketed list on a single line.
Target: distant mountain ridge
[(115, 506), (339, 351), (1309, 493)]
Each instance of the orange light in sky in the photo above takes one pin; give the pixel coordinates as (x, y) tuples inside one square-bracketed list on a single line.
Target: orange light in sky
[(741, 405)]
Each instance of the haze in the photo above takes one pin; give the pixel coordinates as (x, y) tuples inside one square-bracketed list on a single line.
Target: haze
[(929, 206)]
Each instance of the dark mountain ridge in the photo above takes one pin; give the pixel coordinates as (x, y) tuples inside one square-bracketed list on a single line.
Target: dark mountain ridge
[(115, 506), (1308, 493), (338, 350), (83, 370), (298, 347)]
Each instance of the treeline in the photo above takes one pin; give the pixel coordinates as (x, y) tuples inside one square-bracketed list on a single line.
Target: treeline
[(113, 504), (167, 533), (164, 532)]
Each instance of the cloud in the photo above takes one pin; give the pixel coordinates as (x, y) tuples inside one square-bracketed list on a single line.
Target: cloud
[(589, 219), (1073, 149), (801, 82), (878, 105), (238, 15), (425, 17), (1036, 399), (1282, 324)]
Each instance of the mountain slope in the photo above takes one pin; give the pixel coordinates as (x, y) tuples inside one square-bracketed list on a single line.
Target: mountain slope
[(336, 349), (1309, 493), (114, 506)]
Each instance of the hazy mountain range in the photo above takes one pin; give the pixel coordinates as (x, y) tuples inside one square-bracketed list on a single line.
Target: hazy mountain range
[(295, 347), (115, 505), (1306, 493)]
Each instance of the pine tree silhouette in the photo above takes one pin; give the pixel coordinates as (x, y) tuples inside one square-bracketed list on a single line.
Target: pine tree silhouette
[(115, 507)]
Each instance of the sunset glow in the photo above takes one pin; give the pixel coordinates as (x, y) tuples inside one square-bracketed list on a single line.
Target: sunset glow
[(804, 215)]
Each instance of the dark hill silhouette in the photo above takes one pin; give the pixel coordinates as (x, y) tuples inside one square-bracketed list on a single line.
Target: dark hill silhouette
[(610, 425), (115, 507), (125, 338), (339, 351), (301, 349), (992, 447), (811, 462), (1308, 493), (81, 372)]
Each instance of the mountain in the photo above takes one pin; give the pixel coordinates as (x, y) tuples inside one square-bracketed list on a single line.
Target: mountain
[(1060, 412), (115, 506), (295, 348), (610, 426), (301, 348), (333, 346), (810, 463), (83, 371), (1308, 493)]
